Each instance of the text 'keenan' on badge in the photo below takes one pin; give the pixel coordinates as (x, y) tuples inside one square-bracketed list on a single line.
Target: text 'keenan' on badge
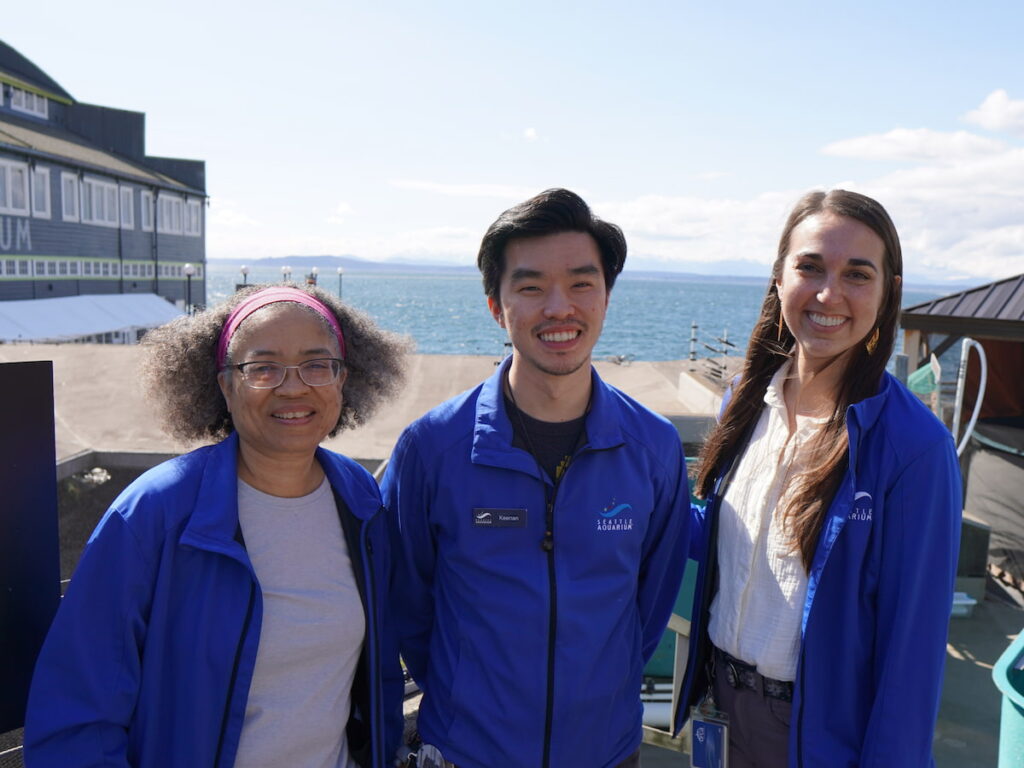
[(499, 518)]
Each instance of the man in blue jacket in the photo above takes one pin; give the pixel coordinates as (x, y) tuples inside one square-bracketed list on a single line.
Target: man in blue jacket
[(539, 520)]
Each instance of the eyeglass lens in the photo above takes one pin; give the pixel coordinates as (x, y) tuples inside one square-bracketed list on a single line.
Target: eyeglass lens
[(268, 375)]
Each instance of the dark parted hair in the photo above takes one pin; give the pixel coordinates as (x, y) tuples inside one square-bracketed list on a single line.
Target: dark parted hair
[(769, 349), (179, 367), (550, 213)]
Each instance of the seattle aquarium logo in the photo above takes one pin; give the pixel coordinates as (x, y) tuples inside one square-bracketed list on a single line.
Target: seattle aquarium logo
[(614, 517), (863, 509)]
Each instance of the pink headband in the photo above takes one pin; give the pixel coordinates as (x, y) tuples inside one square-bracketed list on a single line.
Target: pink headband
[(261, 299)]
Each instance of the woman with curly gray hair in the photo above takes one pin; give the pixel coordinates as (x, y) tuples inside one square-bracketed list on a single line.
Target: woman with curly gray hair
[(229, 608)]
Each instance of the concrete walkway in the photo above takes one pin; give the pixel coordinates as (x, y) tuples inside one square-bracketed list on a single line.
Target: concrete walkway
[(100, 405)]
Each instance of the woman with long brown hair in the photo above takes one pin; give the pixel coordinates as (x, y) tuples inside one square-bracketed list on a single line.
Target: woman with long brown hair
[(829, 539)]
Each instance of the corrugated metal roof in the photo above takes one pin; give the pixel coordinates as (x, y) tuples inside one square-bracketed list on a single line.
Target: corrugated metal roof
[(49, 143), (995, 310), (71, 317)]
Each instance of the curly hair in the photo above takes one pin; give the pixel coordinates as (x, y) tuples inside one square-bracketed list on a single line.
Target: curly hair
[(179, 368)]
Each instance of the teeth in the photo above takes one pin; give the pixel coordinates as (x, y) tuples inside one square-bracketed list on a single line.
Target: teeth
[(292, 415), (829, 320), (560, 336)]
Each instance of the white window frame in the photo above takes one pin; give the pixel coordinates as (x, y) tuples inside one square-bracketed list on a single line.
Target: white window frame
[(40, 180), (147, 209), (169, 214), (193, 217), (127, 195), (9, 169), (29, 102), (69, 181), (99, 202)]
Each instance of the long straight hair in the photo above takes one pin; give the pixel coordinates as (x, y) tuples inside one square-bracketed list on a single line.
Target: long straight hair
[(771, 344)]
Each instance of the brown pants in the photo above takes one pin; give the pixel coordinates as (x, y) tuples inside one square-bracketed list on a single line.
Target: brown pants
[(758, 726)]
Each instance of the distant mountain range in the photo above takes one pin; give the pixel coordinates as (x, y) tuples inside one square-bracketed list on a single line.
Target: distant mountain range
[(746, 273), (328, 264)]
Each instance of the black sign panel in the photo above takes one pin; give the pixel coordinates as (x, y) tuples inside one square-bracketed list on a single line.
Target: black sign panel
[(29, 544)]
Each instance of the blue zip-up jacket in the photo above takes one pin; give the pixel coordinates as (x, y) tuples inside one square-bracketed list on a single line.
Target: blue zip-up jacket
[(150, 656), (873, 634), (530, 657)]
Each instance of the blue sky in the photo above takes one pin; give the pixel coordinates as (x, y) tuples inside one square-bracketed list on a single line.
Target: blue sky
[(401, 130)]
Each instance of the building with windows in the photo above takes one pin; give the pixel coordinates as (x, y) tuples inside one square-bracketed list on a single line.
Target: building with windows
[(83, 208)]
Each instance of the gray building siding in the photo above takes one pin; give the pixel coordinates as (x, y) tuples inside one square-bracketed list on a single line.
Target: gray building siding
[(146, 261), (103, 150)]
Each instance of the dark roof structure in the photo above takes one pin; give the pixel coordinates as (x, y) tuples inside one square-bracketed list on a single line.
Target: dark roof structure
[(88, 136), (52, 143), (993, 311), (19, 71)]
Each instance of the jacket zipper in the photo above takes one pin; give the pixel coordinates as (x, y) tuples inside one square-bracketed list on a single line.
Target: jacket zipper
[(800, 714), (375, 683), (234, 671), (548, 545)]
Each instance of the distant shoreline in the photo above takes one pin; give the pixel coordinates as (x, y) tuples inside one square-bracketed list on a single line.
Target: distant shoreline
[(353, 265)]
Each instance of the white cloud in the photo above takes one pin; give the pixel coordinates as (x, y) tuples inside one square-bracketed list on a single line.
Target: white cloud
[(956, 219), (342, 213), (530, 134), (685, 231), (998, 112), (917, 145), (502, 191), (224, 212)]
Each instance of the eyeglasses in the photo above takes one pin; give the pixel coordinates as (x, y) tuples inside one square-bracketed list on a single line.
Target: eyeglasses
[(264, 374)]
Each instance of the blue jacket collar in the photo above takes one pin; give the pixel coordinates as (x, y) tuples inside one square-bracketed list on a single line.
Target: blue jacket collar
[(492, 430), (214, 519)]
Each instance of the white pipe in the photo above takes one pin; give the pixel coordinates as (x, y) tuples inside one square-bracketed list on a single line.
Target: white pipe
[(961, 379)]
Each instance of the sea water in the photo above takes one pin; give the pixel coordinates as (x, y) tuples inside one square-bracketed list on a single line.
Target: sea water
[(649, 317)]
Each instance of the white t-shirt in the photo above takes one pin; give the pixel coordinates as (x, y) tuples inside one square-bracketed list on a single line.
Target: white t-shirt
[(311, 636), (757, 611)]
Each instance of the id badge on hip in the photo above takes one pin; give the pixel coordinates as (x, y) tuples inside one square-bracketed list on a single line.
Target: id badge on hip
[(709, 742), (430, 756)]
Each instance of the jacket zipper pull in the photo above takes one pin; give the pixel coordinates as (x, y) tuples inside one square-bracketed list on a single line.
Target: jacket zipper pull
[(548, 544)]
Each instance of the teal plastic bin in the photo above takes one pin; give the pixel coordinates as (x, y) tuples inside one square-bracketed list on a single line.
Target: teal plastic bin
[(663, 659), (1008, 674)]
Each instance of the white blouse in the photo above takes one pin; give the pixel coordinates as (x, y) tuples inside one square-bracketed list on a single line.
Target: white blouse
[(756, 613)]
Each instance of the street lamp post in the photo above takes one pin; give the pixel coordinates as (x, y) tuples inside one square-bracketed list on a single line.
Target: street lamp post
[(311, 278), (286, 274), (341, 272), (189, 271), (245, 274)]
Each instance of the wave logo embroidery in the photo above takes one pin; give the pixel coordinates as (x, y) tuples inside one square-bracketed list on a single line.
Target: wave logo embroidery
[(614, 517), (863, 508), (483, 517)]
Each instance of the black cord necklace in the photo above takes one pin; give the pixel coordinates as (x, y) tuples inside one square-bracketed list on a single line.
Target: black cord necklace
[(548, 543)]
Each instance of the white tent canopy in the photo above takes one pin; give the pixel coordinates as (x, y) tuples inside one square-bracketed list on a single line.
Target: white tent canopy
[(76, 317)]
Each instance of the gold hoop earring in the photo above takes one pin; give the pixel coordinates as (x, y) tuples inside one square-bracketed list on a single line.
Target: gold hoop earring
[(872, 343)]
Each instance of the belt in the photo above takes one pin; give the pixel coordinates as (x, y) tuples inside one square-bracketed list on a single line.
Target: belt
[(739, 674)]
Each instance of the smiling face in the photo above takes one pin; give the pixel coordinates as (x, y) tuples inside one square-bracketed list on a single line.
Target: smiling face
[(552, 301), (290, 420), (831, 284)]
